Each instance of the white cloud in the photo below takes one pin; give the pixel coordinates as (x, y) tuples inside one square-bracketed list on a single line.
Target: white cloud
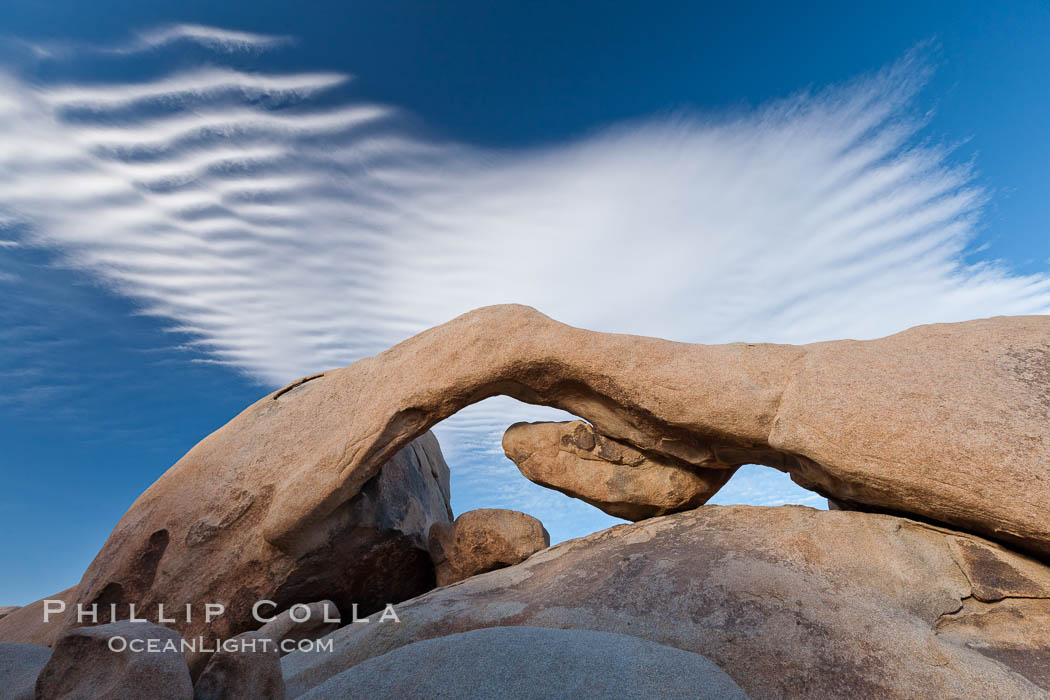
[(213, 38), (291, 240), (200, 83), (164, 132)]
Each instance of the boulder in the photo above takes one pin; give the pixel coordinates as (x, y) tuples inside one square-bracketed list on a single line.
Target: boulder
[(575, 459), (27, 625), (482, 540), (532, 663), (20, 665), (196, 535), (311, 622), (789, 601), (101, 663), (247, 666)]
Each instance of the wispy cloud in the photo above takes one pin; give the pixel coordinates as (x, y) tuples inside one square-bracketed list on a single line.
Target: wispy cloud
[(197, 84), (213, 38), (292, 236)]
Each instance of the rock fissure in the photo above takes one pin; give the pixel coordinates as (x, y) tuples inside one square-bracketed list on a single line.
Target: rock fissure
[(295, 385)]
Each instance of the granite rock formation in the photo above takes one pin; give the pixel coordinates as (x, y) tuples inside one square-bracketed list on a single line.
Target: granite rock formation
[(328, 488)]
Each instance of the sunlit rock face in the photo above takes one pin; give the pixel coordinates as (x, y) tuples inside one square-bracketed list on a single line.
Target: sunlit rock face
[(196, 535)]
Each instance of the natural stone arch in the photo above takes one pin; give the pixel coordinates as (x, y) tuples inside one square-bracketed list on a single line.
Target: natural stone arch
[(945, 422)]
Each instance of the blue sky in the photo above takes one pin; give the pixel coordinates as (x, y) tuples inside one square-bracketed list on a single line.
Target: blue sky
[(200, 201)]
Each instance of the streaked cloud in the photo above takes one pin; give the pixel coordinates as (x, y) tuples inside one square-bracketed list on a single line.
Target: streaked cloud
[(213, 38), (294, 235), (197, 84)]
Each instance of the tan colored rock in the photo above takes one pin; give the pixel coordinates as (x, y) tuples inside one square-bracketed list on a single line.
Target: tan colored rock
[(789, 601), (312, 621), (196, 535), (483, 540), (947, 421), (100, 663), (573, 458), (26, 624), (249, 668)]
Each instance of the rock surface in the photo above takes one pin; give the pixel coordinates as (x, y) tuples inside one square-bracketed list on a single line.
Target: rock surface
[(946, 421), (251, 669), (196, 534), (483, 540), (533, 663), (575, 459), (20, 665), (26, 624), (6, 610), (313, 623), (84, 666), (789, 601)]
